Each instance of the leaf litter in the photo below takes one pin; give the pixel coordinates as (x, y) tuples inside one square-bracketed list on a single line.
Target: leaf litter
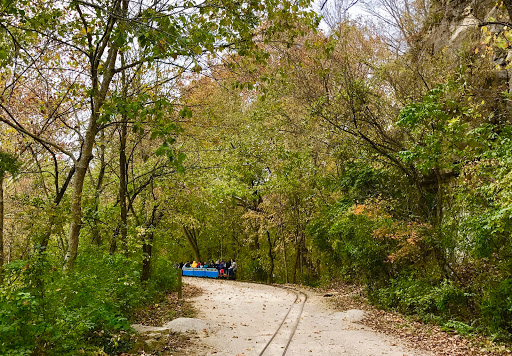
[(428, 337)]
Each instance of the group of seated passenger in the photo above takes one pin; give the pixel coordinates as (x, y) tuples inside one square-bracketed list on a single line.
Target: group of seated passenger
[(225, 268)]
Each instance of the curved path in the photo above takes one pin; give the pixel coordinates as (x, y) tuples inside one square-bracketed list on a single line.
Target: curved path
[(253, 319)]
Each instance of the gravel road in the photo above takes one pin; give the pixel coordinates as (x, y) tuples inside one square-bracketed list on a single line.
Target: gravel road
[(243, 317)]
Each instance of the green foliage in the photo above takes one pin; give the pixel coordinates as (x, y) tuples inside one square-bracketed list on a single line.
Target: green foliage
[(253, 270), (360, 254), (437, 125), (459, 326), (497, 308), (8, 163), (85, 310), (409, 294), (163, 275), (349, 246), (361, 180)]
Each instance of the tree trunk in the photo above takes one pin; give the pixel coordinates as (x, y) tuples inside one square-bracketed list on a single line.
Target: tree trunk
[(76, 198), (440, 199), (58, 198), (96, 237), (147, 243), (1, 223), (113, 242), (123, 167), (147, 249), (271, 257), (297, 256), (122, 185), (82, 164), (191, 235), (285, 260)]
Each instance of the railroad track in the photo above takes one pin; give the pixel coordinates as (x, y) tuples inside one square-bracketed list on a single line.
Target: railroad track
[(282, 337)]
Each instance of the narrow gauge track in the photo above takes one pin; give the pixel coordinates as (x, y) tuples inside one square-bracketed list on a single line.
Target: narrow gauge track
[(280, 337)]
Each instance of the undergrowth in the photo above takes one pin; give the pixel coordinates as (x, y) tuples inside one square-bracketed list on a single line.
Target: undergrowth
[(47, 311)]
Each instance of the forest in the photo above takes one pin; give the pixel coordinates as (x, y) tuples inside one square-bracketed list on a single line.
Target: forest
[(368, 142)]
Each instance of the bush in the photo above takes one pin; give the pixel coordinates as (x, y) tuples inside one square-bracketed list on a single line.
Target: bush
[(45, 311), (163, 276), (440, 302), (254, 271), (361, 256), (497, 308)]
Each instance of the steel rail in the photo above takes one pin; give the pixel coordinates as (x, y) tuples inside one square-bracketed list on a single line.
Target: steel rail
[(292, 333)]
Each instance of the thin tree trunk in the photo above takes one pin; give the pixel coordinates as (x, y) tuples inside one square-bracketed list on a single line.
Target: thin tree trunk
[(76, 198), (9, 249), (147, 249), (296, 265), (113, 242), (1, 223), (271, 256), (286, 278), (191, 236), (96, 237), (123, 168), (147, 244), (440, 199), (82, 164), (301, 261), (297, 255), (56, 202), (122, 184)]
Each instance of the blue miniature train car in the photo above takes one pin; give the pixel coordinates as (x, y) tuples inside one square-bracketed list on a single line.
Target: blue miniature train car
[(207, 272), (200, 272)]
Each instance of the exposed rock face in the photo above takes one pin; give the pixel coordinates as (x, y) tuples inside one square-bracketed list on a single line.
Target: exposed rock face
[(453, 37), (468, 23), (455, 22)]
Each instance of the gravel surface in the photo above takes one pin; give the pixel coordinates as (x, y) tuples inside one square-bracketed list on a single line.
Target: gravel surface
[(242, 317)]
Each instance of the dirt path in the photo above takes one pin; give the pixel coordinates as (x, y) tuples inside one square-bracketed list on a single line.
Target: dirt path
[(243, 317)]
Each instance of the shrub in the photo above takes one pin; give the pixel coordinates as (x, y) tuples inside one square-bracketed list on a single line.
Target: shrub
[(497, 308), (410, 295), (45, 311)]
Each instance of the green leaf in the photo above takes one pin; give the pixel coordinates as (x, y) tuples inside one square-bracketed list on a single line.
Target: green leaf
[(185, 112)]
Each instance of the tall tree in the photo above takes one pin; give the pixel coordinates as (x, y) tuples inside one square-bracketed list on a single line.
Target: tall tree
[(8, 164), (92, 35)]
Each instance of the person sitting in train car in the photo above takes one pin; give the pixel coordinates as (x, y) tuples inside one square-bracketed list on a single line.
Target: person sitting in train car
[(232, 269), (187, 265), (194, 264)]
